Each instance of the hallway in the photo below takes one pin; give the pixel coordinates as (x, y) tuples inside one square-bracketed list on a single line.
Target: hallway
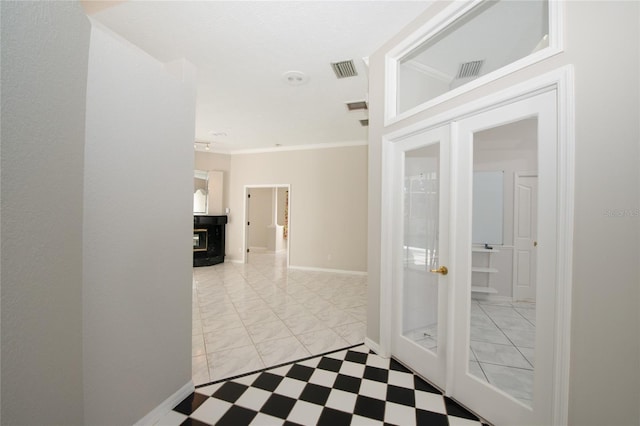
[(251, 316)]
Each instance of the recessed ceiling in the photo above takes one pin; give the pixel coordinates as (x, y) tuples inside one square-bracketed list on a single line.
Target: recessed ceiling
[(242, 50)]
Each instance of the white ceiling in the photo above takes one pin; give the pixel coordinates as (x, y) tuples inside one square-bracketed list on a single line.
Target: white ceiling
[(242, 49)]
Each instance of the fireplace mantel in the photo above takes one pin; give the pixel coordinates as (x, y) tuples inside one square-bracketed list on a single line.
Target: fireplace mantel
[(208, 240)]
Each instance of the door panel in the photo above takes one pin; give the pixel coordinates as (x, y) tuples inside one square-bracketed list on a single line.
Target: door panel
[(525, 221), (503, 349), (420, 295)]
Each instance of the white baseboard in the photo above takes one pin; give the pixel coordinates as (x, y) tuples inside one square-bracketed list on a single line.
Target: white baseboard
[(339, 271), (372, 345), (258, 249), (167, 405)]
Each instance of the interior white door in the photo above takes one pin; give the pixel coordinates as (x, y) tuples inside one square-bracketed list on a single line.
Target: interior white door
[(525, 231), (421, 224), (488, 391)]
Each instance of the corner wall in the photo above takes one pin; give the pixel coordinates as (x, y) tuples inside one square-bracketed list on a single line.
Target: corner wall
[(137, 231), (45, 48)]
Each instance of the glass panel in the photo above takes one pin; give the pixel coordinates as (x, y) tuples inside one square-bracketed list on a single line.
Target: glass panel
[(503, 312), (420, 244), (488, 37)]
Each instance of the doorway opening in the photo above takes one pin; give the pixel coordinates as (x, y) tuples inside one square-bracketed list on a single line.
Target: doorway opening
[(267, 221)]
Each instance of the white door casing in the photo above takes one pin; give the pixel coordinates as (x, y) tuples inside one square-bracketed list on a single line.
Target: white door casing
[(556, 359)]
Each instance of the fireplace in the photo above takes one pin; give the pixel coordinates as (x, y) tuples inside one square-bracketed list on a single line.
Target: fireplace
[(208, 240)]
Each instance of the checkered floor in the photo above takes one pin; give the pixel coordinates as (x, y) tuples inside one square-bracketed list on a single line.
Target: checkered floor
[(352, 386)]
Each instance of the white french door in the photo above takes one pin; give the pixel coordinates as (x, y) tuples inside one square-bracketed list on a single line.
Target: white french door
[(493, 355), (420, 255), (515, 382)]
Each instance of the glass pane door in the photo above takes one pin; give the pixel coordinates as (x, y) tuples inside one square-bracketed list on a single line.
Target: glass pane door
[(420, 246), (421, 237)]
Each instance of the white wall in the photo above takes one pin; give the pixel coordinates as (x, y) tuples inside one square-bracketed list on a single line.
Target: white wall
[(45, 47), (605, 346), (328, 203), (137, 231)]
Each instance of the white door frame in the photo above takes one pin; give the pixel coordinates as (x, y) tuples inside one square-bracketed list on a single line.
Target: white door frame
[(245, 217), (562, 81)]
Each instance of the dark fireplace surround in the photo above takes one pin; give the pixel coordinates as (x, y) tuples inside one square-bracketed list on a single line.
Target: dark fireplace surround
[(208, 240)]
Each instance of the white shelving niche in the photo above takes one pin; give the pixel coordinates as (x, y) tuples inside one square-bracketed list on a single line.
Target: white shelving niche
[(482, 269)]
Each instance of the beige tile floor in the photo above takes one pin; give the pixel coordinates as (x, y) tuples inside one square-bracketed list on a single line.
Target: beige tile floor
[(259, 314)]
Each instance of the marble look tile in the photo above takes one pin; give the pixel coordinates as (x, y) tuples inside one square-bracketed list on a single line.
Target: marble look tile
[(529, 354), (514, 381), (197, 345), (260, 315), (221, 322), (481, 319), (232, 362), (335, 317), (244, 306), (317, 305), (474, 369), (289, 310), (522, 338), (353, 333), (233, 302), (505, 355), (226, 339), (358, 312), (321, 341), (303, 324), (344, 302), (217, 310), (491, 334), (514, 323), (270, 330), (200, 370), (196, 327), (279, 351), (528, 313), (495, 311)]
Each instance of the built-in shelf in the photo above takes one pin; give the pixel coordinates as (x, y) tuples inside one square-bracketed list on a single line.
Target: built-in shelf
[(484, 250), (486, 287), (483, 289), (483, 269)]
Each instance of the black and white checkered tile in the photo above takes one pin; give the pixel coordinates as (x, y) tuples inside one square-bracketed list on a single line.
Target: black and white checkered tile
[(352, 386)]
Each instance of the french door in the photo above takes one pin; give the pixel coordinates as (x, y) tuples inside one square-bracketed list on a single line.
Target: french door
[(421, 252), (458, 324)]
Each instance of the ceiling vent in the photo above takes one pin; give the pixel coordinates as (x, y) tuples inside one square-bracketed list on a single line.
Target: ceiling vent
[(358, 105), (344, 69), (470, 69), (365, 122)]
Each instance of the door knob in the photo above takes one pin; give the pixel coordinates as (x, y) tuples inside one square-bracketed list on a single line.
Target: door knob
[(441, 270)]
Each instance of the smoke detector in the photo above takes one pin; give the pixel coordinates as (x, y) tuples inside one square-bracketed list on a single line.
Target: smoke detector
[(295, 78)]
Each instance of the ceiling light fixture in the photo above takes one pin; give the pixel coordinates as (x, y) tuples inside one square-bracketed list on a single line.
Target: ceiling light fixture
[(295, 78), (205, 145)]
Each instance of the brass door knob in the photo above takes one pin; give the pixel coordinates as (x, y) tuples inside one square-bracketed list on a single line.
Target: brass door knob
[(441, 270)]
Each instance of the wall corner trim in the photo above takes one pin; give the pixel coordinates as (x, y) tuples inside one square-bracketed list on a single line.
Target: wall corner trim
[(156, 414)]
